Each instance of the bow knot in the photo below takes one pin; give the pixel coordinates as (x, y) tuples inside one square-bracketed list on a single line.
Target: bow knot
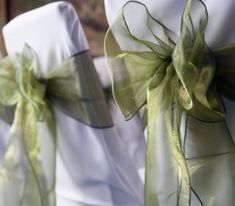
[(190, 57), (19, 82), (30, 88)]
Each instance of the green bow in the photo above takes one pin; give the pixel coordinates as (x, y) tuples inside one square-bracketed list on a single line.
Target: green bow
[(167, 77), (73, 87)]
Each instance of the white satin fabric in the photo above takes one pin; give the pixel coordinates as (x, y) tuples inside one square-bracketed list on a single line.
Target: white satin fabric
[(220, 30), (95, 167)]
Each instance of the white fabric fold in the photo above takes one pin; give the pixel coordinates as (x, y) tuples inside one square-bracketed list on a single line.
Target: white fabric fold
[(94, 166), (130, 131)]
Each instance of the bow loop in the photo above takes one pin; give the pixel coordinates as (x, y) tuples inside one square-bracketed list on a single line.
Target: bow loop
[(155, 37), (195, 67)]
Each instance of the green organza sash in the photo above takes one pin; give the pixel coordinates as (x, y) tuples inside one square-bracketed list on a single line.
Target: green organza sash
[(26, 178), (169, 75)]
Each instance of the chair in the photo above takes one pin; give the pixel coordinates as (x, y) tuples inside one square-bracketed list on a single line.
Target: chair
[(212, 180), (93, 166)]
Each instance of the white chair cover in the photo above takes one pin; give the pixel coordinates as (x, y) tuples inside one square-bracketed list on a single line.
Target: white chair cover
[(94, 166), (220, 32)]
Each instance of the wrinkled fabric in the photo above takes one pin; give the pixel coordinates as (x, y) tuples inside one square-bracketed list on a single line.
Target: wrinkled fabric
[(167, 75), (131, 132)]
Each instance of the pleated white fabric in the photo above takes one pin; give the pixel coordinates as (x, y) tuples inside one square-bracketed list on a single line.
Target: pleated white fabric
[(95, 167)]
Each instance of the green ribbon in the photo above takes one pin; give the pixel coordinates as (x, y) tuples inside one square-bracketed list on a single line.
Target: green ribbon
[(167, 77), (26, 102)]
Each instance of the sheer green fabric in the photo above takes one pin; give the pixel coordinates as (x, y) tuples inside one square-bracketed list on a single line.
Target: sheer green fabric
[(169, 75), (26, 102)]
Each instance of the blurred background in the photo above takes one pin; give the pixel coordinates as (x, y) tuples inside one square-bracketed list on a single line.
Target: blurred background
[(91, 13)]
